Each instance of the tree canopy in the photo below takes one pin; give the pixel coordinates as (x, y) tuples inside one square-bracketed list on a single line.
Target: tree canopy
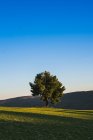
[(48, 87)]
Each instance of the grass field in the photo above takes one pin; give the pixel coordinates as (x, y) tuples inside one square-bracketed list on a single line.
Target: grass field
[(45, 124)]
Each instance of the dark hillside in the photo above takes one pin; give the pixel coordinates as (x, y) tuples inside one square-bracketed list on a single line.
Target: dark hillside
[(75, 100), (24, 101)]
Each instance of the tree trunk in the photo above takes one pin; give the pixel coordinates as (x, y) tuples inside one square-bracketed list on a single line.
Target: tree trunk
[(46, 103)]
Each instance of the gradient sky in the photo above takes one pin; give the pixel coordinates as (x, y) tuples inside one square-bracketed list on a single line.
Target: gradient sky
[(52, 35)]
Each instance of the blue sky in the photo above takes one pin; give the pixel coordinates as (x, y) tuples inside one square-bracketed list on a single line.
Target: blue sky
[(45, 35)]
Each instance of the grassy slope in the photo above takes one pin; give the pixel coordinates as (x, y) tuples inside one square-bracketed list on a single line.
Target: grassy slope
[(45, 123)]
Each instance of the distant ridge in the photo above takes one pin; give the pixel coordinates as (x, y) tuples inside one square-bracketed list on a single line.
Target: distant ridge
[(76, 100)]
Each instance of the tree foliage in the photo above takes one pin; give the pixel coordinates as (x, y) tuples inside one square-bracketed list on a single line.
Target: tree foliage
[(48, 87)]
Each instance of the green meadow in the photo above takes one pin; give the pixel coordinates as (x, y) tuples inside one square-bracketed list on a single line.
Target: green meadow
[(45, 124)]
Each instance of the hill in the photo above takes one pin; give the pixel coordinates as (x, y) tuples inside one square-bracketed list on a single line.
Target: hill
[(75, 100)]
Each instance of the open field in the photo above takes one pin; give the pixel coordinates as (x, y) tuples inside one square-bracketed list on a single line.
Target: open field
[(45, 123)]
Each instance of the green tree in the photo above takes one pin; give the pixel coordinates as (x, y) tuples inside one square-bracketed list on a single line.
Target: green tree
[(48, 87)]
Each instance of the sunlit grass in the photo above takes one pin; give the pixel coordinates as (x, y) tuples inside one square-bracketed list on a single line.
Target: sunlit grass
[(82, 114), (45, 123)]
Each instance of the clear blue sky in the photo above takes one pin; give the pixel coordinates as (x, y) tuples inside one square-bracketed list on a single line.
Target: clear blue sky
[(52, 35)]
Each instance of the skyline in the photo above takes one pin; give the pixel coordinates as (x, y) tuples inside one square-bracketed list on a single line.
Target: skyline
[(56, 36)]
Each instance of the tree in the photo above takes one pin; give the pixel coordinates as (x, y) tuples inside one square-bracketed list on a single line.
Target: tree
[(48, 87)]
